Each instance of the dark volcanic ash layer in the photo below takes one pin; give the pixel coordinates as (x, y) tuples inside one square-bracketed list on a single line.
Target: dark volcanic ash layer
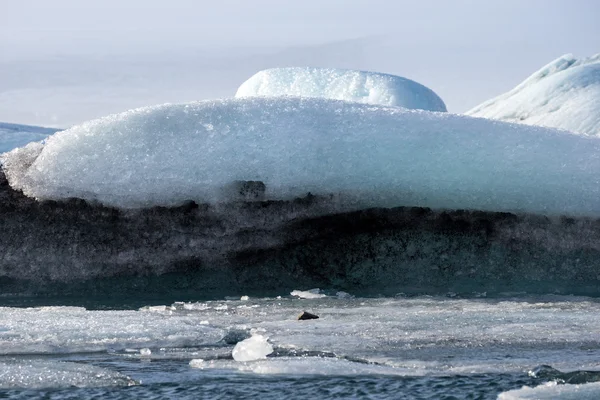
[(258, 246)]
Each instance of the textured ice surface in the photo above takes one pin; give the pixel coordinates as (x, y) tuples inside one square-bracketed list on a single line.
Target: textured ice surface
[(418, 336), (553, 391), (564, 94), (13, 135), (251, 349), (339, 84), (50, 330), (459, 341), (377, 156), (37, 374)]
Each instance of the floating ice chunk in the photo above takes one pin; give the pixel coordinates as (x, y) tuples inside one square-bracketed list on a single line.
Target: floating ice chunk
[(553, 391), (251, 349), (340, 84), (377, 157), (564, 94), (37, 374), (159, 309), (244, 298), (308, 294), (343, 295), (195, 306), (198, 363), (145, 352)]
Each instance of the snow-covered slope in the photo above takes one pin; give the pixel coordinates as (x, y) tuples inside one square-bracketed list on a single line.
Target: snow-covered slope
[(378, 156), (564, 94), (14, 135), (340, 84)]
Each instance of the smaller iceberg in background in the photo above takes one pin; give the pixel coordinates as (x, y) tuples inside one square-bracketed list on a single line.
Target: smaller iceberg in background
[(340, 84), (14, 135), (564, 94)]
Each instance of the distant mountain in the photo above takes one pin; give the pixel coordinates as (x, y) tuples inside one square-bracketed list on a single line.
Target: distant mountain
[(564, 94)]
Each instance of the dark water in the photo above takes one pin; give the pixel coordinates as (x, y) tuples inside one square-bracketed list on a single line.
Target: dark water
[(173, 379)]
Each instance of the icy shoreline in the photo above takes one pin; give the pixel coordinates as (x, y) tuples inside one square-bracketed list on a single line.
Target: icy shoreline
[(273, 245)]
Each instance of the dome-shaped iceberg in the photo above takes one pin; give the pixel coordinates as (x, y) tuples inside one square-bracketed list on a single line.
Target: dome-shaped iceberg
[(341, 84)]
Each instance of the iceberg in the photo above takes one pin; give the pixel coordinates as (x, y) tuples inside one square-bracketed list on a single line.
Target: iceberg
[(15, 135), (373, 156), (254, 348), (339, 84), (564, 94)]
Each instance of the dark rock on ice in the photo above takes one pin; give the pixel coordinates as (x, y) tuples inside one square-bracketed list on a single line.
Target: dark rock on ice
[(306, 315), (246, 190), (233, 336)]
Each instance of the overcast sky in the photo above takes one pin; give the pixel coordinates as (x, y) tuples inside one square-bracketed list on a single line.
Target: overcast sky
[(466, 50), (62, 25)]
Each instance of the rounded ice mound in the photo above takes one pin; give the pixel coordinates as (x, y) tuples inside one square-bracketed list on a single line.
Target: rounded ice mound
[(339, 84), (564, 94), (375, 156)]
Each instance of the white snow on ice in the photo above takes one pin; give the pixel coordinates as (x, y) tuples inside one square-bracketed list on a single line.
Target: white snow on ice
[(51, 330), (553, 391), (564, 94), (377, 156), (46, 374), (340, 84)]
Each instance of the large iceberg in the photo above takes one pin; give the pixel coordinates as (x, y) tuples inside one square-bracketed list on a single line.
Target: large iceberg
[(375, 156), (564, 94), (341, 84)]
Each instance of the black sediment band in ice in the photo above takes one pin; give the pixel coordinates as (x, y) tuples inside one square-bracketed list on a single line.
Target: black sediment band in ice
[(272, 246)]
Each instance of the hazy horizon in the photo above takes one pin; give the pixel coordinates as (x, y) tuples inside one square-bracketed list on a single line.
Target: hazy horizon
[(67, 61)]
